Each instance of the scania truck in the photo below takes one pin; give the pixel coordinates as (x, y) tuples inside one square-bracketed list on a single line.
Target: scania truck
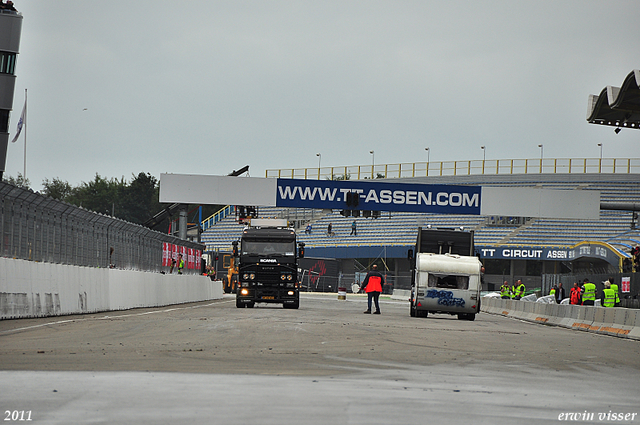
[(446, 276), (267, 261)]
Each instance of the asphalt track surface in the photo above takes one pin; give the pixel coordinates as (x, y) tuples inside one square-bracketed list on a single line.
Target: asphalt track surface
[(326, 363)]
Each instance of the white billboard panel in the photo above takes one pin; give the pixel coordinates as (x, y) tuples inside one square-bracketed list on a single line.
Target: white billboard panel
[(541, 203), (224, 190)]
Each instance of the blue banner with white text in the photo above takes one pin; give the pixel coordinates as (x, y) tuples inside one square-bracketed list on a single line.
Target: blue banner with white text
[(378, 196)]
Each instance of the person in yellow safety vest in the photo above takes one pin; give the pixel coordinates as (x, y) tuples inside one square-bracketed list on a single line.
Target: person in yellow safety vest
[(553, 291), (180, 264), (614, 286), (588, 293), (608, 296), (519, 290), (505, 292)]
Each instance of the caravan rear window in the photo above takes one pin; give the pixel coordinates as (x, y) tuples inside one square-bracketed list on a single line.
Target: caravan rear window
[(448, 281)]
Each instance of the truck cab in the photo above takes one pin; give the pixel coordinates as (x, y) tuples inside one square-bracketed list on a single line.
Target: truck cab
[(268, 267), (444, 280)]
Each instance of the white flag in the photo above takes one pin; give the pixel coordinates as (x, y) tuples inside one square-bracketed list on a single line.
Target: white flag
[(20, 122)]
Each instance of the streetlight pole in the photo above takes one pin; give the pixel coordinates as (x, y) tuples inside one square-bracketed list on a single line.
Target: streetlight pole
[(373, 162), (541, 156), (600, 164), (319, 159), (484, 157), (428, 155), (600, 144)]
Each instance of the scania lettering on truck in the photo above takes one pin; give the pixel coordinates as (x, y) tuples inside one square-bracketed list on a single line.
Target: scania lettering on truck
[(446, 275), (268, 266)]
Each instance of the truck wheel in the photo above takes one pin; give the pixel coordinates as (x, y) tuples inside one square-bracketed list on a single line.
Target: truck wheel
[(239, 304), (250, 305), (422, 313), (225, 285), (412, 310), (471, 317)]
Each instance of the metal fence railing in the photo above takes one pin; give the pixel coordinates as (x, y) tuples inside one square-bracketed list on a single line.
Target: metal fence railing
[(37, 228), (463, 168)]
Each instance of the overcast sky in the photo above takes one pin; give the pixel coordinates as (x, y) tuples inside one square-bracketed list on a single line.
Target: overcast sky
[(206, 87)]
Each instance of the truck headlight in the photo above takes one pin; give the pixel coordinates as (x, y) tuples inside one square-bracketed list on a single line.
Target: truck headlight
[(244, 291), (252, 276), (290, 293), (283, 277)]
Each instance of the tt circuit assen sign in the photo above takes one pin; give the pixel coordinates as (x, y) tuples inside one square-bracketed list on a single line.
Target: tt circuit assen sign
[(443, 199), (590, 250)]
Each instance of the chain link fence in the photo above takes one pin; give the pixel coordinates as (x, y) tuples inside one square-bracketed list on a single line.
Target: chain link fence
[(37, 228)]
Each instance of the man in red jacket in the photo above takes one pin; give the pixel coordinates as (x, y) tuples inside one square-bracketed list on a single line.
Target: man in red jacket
[(372, 285)]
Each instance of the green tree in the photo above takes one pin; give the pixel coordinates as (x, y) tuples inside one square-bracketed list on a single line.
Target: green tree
[(57, 189), (139, 199), (19, 181), (99, 195)]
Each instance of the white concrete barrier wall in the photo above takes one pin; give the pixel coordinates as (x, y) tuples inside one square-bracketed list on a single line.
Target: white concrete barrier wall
[(31, 289), (615, 321)]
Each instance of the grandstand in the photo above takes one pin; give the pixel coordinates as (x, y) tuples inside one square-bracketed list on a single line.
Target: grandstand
[(392, 234)]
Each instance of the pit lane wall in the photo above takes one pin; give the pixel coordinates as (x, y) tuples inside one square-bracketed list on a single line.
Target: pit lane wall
[(33, 289), (615, 321)]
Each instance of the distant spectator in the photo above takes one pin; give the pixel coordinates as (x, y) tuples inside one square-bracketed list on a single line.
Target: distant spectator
[(329, 230), (635, 252), (505, 291), (353, 229), (180, 264), (588, 292), (616, 291), (559, 293), (307, 231), (518, 290), (608, 297), (575, 296)]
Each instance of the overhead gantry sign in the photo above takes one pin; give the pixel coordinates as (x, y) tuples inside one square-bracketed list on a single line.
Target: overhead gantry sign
[(379, 196)]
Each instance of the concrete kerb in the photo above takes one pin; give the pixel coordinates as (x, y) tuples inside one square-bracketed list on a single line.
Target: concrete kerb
[(585, 318), (518, 310), (620, 322), (598, 320), (633, 320), (572, 312), (623, 321), (541, 313), (566, 315), (553, 311)]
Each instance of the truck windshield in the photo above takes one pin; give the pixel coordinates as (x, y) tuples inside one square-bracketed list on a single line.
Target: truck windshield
[(448, 281), (268, 248)]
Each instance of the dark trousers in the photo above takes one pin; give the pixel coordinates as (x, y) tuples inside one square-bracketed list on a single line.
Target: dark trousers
[(588, 302), (374, 296)]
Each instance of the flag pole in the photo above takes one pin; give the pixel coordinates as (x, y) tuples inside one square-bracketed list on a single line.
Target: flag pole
[(24, 174)]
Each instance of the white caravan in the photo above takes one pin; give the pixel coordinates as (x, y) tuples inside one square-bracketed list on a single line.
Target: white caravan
[(446, 276)]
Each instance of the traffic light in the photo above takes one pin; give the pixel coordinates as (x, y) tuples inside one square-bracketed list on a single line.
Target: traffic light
[(353, 199)]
